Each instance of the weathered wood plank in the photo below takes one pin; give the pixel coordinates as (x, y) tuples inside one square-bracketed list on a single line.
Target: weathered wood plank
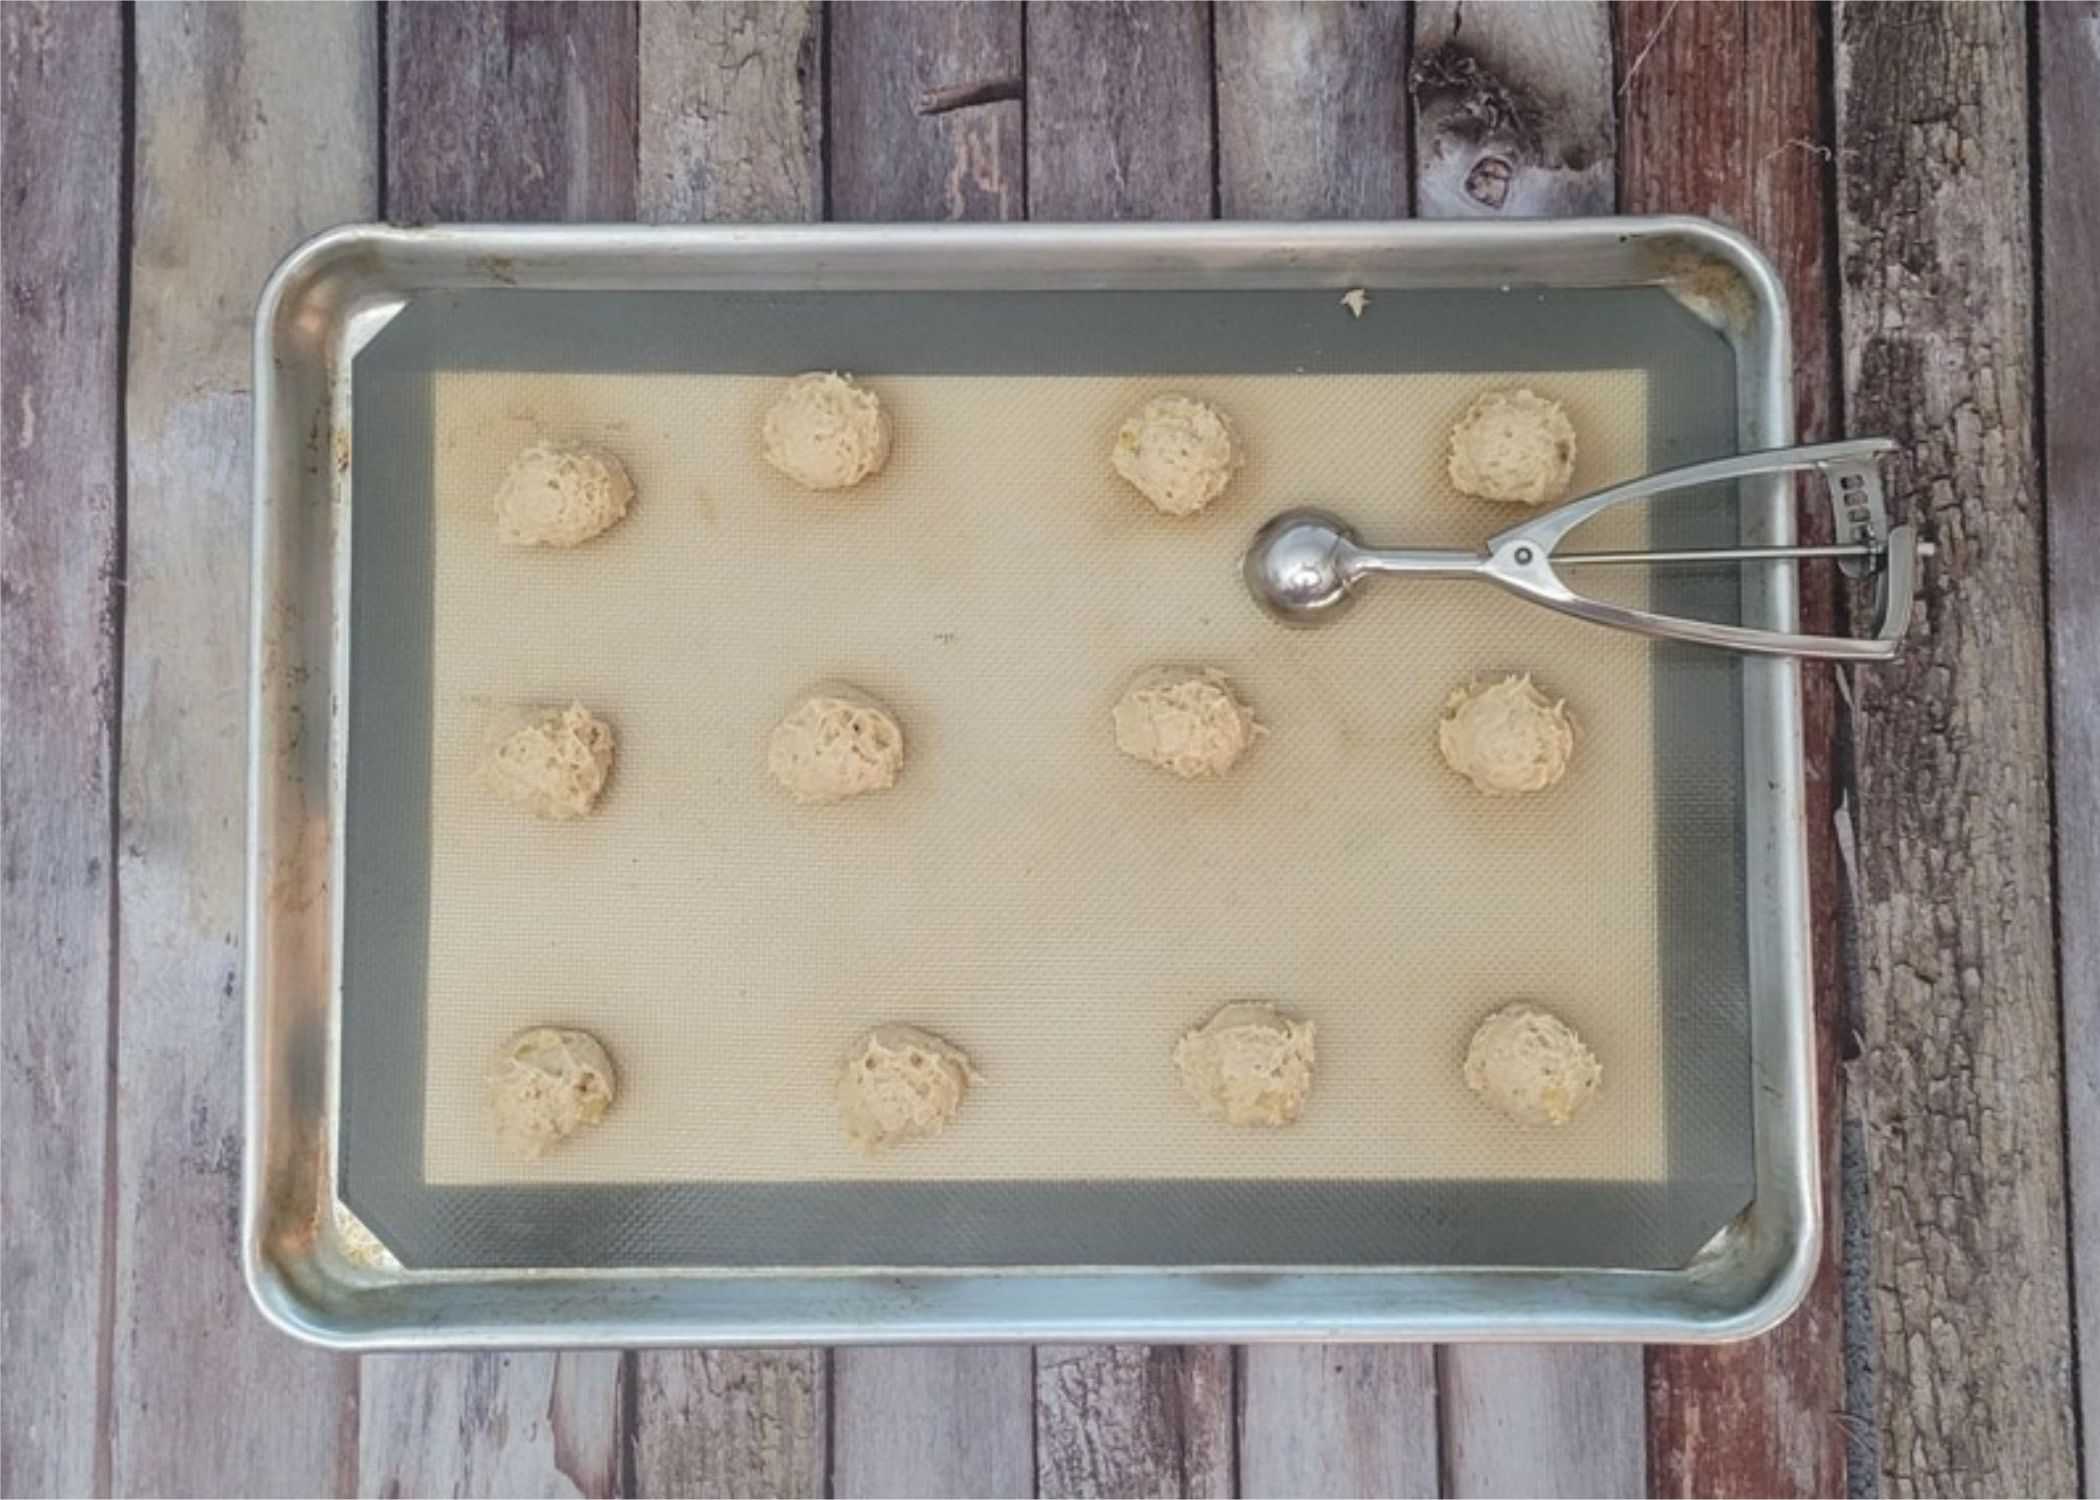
[(1125, 1419), (61, 177), (1960, 1075), (732, 111), (732, 1422), (1514, 116), (1312, 123), (930, 1420), (1312, 110), (489, 1424), (1119, 127), (1513, 109), (933, 1422), (1542, 1420), (510, 111), (1119, 110), (731, 130), (1723, 117), (1338, 1420), (897, 150), (2068, 40), (498, 112), (243, 147)]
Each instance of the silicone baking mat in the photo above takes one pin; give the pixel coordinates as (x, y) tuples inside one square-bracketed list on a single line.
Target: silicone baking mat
[(1056, 909)]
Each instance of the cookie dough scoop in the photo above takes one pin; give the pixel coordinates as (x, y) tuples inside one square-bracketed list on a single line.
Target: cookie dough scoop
[(1305, 565)]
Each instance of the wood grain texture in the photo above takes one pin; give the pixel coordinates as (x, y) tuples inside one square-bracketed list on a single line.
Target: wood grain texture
[(1542, 1420), (2067, 41), (243, 148), (498, 112), (1120, 127), (1312, 110), (1312, 123), (488, 1424), (501, 111), (732, 112), (1513, 109), (928, 1420), (890, 161), (1125, 1419), (1961, 1073), (1337, 1420), (1514, 116), (1724, 117), (731, 130), (1119, 110), (732, 1422), (61, 531), (933, 1421)]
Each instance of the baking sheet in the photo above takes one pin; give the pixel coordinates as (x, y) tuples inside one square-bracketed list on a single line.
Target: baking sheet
[(1056, 909)]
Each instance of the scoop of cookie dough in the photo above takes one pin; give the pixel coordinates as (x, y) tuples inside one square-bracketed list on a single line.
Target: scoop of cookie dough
[(836, 743), (1186, 720), (561, 495), (546, 1084), (1179, 452), (1530, 1064), (1514, 446), (1250, 1064), (554, 767), (1506, 737), (826, 433), (899, 1084)]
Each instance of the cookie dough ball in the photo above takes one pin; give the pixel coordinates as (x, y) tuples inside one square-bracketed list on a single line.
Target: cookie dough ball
[(1506, 737), (1185, 720), (836, 743), (1529, 1064), (1514, 446), (1250, 1064), (554, 767), (900, 1084), (1179, 452), (826, 433), (545, 1085), (561, 495)]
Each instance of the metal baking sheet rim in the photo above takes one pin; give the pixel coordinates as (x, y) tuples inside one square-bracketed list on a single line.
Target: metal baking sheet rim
[(333, 293)]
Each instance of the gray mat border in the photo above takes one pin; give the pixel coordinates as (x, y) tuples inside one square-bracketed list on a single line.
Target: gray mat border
[(966, 1224)]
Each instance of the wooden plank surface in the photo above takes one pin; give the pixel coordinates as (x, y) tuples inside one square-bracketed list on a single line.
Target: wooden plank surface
[(1125, 1419), (898, 151), (1119, 110), (1514, 116), (1513, 108), (513, 111), (732, 111), (732, 1422), (1312, 110), (514, 1425), (503, 112), (731, 130), (1312, 123), (1338, 1420), (61, 570), (243, 148), (1542, 1419), (1119, 126), (933, 1421), (2067, 43), (1724, 117), (1960, 1078)]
